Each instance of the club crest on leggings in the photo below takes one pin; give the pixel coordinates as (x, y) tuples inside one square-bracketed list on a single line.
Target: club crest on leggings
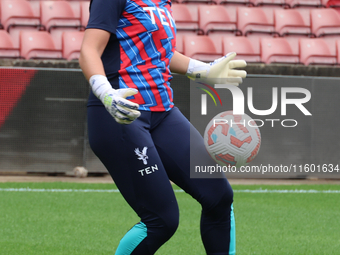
[(142, 155)]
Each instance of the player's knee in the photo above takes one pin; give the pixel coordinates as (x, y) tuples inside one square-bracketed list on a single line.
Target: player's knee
[(227, 199), (170, 225), (164, 227), (218, 206)]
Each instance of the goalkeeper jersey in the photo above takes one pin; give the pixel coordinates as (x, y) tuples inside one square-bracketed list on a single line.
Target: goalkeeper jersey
[(138, 54)]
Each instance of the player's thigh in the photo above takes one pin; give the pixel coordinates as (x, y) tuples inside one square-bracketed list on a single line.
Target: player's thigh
[(130, 156), (176, 141)]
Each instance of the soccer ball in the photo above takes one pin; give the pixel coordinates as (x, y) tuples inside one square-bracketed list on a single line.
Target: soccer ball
[(232, 140)]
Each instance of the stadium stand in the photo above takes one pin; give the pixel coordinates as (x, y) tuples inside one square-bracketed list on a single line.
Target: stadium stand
[(331, 3), (58, 14), (255, 21), (214, 19), (7, 49), (314, 51), (270, 3), (71, 44), (242, 46), (38, 45), (232, 12), (304, 3), (246, 3), (217, 40), (75, 5), (35, 4), (184, 20), (17, 15), (198, 1), (335, 4), (292, 22), (84, 12), (81, 10), (277, 50), (57, 17), (200, 47), (179, 43), (325, 22), (222, 22), (338, 51)]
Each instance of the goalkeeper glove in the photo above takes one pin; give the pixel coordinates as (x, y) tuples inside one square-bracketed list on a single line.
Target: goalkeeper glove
[(121, 109), (221, 71)]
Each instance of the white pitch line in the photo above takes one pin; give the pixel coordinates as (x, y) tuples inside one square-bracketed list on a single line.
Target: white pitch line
[(300, 191), (64, 190), (304, 191), (59, 190)]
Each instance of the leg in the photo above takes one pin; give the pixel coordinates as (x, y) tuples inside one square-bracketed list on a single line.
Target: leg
[(143, 183), (215, 195)]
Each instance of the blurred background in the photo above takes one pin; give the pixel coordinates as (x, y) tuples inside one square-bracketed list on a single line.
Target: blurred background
[(43, 93)]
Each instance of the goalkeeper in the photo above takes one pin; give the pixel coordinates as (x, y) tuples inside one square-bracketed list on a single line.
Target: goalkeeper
[(134, 128)]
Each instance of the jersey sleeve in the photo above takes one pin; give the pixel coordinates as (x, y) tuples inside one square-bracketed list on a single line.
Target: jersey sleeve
[(105, 14)]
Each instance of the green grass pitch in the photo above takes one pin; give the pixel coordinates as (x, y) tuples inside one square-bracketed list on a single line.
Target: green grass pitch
[(35, 221)]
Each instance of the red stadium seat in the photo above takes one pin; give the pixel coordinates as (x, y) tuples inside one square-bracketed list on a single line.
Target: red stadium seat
[(84, 12), (255, 21), (75, 5), (216, 38), (270, 3), (294, 43), (331, 3), (193, 9), (200, 47), (7, 49), (335, 4), (179, 43), (57, 14), (71, 44), (232, 12), (292, 22), (304, 3), (331, 42), (57, 17), (235, 2), (242, 46), (35, 4), (17, 15), (216, 19), (38, 45), (198, 1), (184, 20), (277, 50), (325, 22), (315, 51), (338, 51)]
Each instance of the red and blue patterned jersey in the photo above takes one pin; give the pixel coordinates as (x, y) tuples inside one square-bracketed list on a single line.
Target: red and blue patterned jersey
[(141, 45)]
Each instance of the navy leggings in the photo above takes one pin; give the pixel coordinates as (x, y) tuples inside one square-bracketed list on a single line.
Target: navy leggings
[(141, 158)]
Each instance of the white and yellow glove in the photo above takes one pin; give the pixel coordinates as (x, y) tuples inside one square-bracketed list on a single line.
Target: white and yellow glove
[(221, 71), (114, 100)]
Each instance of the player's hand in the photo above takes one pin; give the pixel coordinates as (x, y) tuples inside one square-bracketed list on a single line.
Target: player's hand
[(221, 71), (114, 100)]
